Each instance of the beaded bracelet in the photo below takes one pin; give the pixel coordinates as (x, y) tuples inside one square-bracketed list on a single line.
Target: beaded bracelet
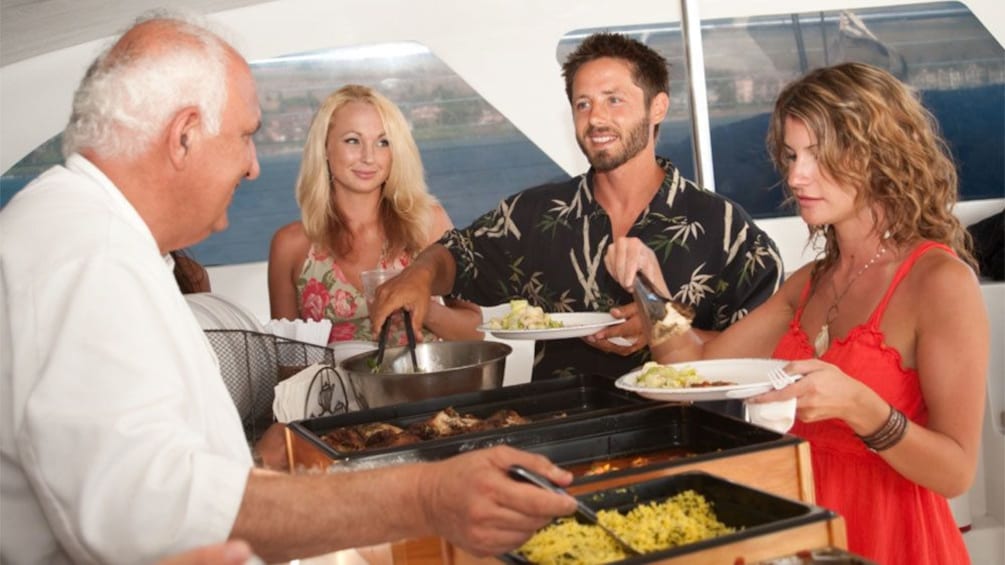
[(889, 434)]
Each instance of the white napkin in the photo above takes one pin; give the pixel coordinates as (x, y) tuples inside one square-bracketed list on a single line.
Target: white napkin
[(622, 341), (313, 392), (776, 416), (315, 332)]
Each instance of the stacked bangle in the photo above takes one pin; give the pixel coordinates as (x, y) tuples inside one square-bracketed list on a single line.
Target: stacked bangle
[(889, 434)]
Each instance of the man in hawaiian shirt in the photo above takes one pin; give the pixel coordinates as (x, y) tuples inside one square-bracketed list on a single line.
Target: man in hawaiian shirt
[(547, 244)]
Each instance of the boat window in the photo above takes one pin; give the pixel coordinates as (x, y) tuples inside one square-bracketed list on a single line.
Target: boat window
[(941, 49), (473, 155)]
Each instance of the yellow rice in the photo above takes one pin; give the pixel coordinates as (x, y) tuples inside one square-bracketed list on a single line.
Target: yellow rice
[(684, 518)]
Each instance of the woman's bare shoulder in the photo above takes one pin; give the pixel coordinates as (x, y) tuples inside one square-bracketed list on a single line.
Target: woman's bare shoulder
[(941, 275), (290, 239), (291, 230), (440, 223), (794, 283)]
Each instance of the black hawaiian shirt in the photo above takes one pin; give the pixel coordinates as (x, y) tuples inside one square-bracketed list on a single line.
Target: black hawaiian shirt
[(547, 244)]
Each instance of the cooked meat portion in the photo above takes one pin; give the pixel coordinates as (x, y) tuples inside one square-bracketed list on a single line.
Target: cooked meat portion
[(445, 423), (505, 418), (368, 436), (345, 439), (380, 434)]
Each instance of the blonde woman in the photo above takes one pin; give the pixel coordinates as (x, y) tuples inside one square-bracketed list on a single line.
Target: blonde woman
[(364, 206), (888, 328)]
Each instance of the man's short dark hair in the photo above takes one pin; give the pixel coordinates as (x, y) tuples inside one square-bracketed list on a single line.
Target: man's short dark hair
[(650, 70)]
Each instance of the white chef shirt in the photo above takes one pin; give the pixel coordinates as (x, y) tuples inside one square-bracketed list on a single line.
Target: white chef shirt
[(119, 441)]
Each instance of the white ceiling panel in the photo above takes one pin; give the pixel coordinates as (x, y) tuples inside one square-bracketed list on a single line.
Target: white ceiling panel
[(32, 27)]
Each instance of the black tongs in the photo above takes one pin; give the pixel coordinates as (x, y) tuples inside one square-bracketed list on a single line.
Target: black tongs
[(523, 474), (409, 333)]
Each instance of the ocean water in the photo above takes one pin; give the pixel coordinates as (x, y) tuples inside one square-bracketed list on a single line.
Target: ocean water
[(469, 179), (471, 176)]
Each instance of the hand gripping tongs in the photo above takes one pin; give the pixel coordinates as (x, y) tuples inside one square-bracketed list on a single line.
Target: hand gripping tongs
[(382, 341), (585, 512)]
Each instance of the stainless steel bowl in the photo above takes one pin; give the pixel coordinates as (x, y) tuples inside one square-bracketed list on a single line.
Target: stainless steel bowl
[(447, 367)]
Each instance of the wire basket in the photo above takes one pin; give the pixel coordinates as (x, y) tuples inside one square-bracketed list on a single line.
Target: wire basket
[(252, 363)]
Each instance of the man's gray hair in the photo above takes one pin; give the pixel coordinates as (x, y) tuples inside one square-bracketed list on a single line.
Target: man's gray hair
[(128, 96)]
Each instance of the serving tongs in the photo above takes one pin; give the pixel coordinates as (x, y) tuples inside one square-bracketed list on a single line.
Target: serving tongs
[(653, 304), (382, 341), (410, 335), (654, 308), (521, 473)]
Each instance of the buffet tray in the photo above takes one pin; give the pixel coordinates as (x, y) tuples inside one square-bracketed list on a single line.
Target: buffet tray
[(638, 441), (567, 399), (671, 439), (767, 525), (677, 431)]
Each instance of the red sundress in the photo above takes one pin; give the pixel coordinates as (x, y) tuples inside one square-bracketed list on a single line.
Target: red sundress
[(889, 518)]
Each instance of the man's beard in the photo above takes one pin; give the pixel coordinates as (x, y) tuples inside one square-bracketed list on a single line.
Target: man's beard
[(606, 160)]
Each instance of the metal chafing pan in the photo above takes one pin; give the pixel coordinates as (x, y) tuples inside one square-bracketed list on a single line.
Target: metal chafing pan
[(566, 400), (671, 439), (754, 514), (651, 440)]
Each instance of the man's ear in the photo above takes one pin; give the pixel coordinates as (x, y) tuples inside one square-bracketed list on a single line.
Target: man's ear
[(658, 108), (183, 135)]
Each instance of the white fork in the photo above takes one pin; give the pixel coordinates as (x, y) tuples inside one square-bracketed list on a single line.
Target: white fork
[(779, 379)]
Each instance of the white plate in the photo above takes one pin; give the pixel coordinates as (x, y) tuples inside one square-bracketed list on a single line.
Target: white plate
[(574, 324), (750, 376), (343, 350), (215, 312)]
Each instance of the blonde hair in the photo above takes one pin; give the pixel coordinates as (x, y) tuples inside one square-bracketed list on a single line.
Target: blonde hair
[(872, 132), (405, 203)]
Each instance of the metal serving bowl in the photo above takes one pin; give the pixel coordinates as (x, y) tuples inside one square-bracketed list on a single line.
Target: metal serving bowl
[(446, 367)]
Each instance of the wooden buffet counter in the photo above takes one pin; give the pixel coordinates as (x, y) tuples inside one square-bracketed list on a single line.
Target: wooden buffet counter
[(828, 531), (781, 468), (632, 442)]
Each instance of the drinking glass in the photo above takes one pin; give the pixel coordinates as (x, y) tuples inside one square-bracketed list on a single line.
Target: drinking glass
[(373, 279)]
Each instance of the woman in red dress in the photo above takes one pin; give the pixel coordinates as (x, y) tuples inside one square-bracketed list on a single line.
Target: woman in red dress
[(888, 326)]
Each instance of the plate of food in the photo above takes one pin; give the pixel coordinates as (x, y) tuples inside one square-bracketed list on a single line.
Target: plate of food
[(531, 322), (716, 379)]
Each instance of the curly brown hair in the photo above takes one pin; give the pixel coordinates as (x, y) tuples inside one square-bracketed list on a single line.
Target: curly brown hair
[(873, 133)]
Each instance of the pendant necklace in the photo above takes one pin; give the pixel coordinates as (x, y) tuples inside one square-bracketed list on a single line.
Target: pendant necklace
[(823, 339)]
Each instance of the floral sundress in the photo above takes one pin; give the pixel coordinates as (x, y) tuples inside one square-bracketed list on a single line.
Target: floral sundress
[(324, 292)]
